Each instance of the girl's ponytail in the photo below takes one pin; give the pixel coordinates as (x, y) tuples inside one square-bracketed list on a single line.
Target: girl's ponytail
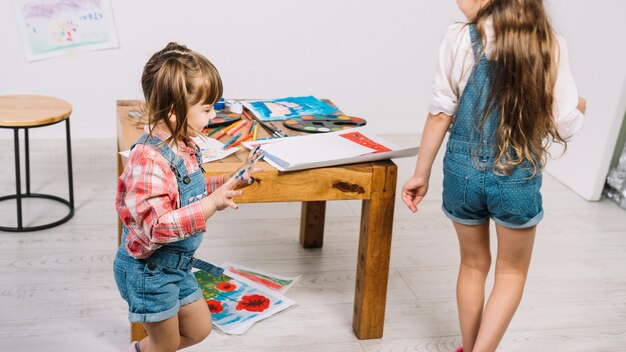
[(523, 82)]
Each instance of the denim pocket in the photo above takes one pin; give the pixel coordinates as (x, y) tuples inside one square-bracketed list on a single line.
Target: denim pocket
[(152, 271), (519, 196), (120, 280), (454, 188)]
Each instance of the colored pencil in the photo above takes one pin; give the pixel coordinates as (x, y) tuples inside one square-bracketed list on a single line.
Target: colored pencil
[(221, 134), (246, 115), (237, 128), (225, 130), (240, 140), (233, 125), (256, 129), (215, 130), (231, 141), (272, 131), (252, 127)]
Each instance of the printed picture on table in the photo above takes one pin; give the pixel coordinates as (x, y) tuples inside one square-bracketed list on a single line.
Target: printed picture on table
[(235, 304), (51, 28)]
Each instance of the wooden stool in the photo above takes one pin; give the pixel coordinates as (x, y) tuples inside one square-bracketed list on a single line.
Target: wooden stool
[(32, 111)]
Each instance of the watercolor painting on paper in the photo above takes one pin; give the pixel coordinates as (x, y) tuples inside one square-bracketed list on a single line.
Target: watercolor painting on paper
[(274, 282), (52, 28), (284, 108), (236, 304)]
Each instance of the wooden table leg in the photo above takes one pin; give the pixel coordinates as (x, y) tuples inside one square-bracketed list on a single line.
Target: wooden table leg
[(312, 224), (374, 254)]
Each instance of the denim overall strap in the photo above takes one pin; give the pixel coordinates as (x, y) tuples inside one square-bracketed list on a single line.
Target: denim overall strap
[(466, 135), (477, 46), (156, 142), (191, 188)]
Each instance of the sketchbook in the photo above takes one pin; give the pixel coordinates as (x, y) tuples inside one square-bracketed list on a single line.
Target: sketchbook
[(349, 146), (284, 108)]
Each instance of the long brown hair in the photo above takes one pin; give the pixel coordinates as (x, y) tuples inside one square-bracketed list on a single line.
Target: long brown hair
[(523, 82), (174, 79)]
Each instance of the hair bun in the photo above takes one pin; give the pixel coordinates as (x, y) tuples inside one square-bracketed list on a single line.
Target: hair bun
[(173, 46)]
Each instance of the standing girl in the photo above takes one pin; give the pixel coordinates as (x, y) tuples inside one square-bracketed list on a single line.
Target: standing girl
[(164, 200), (504, 84)]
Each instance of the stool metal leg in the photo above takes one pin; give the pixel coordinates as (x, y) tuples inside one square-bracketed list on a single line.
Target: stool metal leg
[(18, 185), (69, 164), (19, 196), (27, 161)]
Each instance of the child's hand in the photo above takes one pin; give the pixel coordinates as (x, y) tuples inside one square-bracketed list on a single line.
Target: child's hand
[(221, 198), (582, 105), (243, 175), (414, 191)]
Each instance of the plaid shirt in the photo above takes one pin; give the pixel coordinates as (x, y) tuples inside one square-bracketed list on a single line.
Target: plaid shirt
[(148, 200)]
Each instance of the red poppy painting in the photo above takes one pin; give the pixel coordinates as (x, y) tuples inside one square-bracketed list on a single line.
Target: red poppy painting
[(237, 303), (214, 306), (226, 286), (253, 303)]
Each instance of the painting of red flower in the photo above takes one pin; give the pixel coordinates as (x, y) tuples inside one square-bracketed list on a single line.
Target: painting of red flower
[(226, 286), (253, 303), (214, 306)]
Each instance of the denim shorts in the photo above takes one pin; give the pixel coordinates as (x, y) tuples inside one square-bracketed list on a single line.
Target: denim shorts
[(154, 289), (473, 193)]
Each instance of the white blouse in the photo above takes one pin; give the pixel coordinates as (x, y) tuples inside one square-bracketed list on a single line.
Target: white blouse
[(455, 65)]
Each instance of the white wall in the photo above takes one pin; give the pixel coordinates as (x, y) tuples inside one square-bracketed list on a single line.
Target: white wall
[(595, 32), (375, 59)]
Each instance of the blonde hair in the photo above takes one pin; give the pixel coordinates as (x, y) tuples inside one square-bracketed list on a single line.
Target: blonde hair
[(523, 82), (174, 79)]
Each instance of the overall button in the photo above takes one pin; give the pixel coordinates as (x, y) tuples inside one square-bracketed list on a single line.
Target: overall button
[(152, 265), (186, 180)]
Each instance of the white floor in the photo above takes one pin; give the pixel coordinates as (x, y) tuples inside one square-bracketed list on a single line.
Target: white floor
[(57, 291)]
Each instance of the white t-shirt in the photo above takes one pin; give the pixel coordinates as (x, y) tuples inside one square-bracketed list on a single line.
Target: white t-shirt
[(456, 61)]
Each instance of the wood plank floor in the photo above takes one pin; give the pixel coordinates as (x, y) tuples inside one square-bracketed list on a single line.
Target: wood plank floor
[(57, 291)]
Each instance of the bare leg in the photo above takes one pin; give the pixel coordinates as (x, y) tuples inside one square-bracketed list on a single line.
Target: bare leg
[(195, 323), (515, 248), (189, 327), (163, 336), (470, 287)]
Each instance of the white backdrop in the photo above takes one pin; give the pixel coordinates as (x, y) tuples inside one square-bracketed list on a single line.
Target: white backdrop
[(374, 59)]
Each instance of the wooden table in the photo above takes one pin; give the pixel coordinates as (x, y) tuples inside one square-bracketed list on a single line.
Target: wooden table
[(374, 183)]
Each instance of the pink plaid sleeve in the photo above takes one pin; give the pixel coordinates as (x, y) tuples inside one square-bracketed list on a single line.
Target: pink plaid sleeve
[(213, 183), (152, 198)]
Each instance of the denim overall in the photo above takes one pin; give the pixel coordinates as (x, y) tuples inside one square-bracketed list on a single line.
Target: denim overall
[(472, 192), (156, 287)]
